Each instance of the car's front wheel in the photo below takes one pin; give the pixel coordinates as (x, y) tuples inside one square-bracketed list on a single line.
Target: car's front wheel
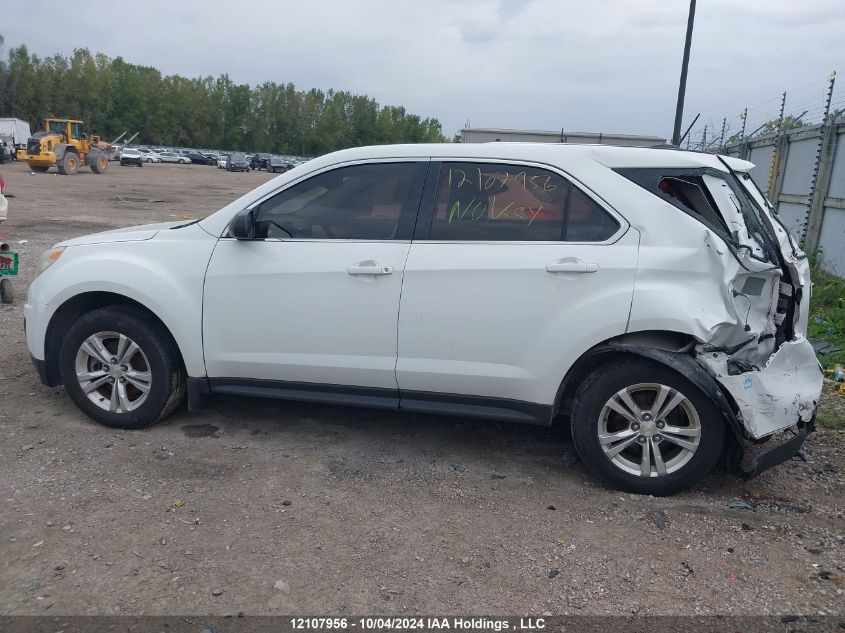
[(645, 428), (121, 368)]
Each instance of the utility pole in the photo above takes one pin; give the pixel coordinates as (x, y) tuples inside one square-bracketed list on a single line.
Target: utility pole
[(682, 87)]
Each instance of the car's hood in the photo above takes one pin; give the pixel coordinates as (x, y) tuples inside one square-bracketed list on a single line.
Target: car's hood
[(128, 234)]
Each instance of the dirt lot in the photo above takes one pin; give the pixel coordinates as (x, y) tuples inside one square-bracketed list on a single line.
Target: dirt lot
[(359, 511)]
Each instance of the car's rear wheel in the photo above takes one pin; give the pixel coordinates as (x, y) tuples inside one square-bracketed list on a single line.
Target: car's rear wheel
[(645, 428), (121, 369)]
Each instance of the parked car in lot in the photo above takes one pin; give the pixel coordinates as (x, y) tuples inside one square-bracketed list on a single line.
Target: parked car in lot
[(237, 162), (651, 296), (200, 159), (221, 161), (213, 158), (278, 165), (172, 157), (259, 161), (131, 156), (151, 157)]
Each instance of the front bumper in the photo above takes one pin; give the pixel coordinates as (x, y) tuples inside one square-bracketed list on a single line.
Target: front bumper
[(36, 316), (41, 368)]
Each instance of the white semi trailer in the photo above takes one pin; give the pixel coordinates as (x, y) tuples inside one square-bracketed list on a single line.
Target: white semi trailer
[(15, 132)]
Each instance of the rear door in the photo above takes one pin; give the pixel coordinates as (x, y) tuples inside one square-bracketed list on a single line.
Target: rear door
[(513, 273)]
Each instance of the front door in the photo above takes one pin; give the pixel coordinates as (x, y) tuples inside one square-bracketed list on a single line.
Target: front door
[(315, 297)]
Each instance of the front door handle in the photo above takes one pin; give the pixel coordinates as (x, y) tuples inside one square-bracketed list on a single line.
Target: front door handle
[(571, 265), (369, 268)]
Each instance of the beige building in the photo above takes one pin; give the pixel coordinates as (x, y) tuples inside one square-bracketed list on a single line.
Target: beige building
[(489, 135)]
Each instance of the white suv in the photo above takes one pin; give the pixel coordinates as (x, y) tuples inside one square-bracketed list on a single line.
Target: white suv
[(652, 295)]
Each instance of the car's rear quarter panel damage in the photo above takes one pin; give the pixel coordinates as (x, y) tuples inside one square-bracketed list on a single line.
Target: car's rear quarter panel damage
[(785, 391)]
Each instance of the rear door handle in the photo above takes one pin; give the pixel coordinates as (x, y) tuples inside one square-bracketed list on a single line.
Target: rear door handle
[(369, 268), (571, 265)]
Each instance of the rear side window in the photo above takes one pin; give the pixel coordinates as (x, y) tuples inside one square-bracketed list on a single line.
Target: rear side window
[(692, 193), (684, 189), (501, 202)]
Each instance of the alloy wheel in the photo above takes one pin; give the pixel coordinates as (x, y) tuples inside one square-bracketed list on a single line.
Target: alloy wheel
[(649, 430), (113, 372)]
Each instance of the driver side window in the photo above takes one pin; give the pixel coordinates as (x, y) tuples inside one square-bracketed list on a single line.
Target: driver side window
[(359, 202)]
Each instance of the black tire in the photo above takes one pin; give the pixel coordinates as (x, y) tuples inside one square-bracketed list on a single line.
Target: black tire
[(39, 169), (99, 162), (7, 293), (69, 164), (122, 164), (587, 420), (140, 163), (167, 382)]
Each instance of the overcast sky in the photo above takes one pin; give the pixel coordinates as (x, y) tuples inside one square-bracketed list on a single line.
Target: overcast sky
[(597, 66)]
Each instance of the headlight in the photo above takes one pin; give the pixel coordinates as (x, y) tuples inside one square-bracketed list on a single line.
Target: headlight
[(48, 258)]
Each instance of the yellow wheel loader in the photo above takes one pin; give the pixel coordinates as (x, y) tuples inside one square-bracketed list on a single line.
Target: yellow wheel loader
[(63, 144)]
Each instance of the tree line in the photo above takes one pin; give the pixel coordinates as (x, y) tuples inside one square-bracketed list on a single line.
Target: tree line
[(113, 96)]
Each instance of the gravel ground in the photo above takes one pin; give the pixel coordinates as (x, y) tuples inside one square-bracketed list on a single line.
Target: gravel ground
[(261, 506)]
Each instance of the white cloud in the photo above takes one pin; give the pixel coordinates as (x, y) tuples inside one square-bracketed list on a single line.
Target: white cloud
[(608, 66)]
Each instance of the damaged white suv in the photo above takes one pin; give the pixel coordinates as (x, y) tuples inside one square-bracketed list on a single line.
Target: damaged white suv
[(652, 295)]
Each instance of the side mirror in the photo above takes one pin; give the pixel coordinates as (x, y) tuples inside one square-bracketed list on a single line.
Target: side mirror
[(242, 226)]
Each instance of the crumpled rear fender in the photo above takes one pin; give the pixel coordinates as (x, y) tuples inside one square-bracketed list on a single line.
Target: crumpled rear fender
[(782, 393), (682, 363)]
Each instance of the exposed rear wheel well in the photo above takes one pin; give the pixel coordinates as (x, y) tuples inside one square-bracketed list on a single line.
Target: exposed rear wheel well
[(670, 349), (74, 308), (612, 350)]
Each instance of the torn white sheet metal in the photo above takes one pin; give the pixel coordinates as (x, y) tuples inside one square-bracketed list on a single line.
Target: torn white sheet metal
[(749, 292), (728, 300), (777, 396), (794, 258)]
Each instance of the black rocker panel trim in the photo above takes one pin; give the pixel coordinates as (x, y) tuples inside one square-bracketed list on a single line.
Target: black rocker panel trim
[(500, 409)]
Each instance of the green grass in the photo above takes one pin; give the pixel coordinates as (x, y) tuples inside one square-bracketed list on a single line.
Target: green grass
[(827, 315), (830, 419), (827, 323)]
